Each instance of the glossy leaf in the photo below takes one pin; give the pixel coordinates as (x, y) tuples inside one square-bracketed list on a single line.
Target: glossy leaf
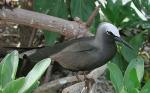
[(116, 12), (138, 4), (134, 74), (8, 68), (142, 5), (34, 86), (120, 62), (136, 43), (35, 74), (82, 8), (131, 80), (135, 90), (116, 77), (146, 88), (14, 86)]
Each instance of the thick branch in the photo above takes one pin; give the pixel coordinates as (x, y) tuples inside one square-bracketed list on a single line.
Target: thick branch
[(43, 21), (54, 86)]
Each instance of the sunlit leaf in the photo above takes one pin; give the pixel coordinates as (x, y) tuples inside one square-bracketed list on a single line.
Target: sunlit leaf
[(134, 74), (136, 43), (116, 76), (8, 68), (146, 88), (35, 74), (14, 86)]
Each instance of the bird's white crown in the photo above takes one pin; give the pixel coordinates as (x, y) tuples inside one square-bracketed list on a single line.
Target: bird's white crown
[(110, 28)]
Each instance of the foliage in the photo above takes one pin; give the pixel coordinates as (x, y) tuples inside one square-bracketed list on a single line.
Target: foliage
[(8, 69), (55, 8), (66, 9), (123, 15), (131, 81), (136, 42), (117, 12), (143, 7)]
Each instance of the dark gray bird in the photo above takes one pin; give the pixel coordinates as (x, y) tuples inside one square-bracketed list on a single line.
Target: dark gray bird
[(80, 54), (90, 53), (84, 53)]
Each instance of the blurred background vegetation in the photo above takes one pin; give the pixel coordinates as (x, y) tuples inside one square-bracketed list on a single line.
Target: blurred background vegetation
[(132, 17)]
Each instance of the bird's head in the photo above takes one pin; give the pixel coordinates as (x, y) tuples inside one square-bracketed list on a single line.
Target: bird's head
[(110, 32)]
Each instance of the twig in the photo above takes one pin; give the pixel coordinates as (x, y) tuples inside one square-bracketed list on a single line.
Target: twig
[(32, 37), (92, 17), (48, 74)]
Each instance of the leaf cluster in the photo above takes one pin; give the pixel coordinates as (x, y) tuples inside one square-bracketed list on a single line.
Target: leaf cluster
[(131, 81), (8, 70)]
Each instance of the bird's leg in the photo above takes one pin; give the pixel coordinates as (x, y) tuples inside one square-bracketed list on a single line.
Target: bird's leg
[(77, 76), (88, 82)]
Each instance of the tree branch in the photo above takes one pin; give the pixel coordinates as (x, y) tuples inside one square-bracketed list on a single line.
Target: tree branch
[(54, 86), (43, 21)]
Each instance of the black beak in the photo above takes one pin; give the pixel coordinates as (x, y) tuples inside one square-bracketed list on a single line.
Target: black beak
[(119, 39)]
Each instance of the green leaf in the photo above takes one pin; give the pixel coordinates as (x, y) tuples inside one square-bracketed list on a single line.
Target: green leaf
[(34, 86), (137, 3), (56, 8), (50, 37), (146, 88), (8, 68), (35, 74), (82, 8), (136, 43), (131, 81), (116, 12), (142, 5), (138, 64), (120, 62), (134, 74), (14, 86), (0, 77), (52, 7), (116, 76), (135, 90)]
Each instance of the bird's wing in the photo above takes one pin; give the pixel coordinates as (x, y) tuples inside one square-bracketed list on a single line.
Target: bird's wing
[(80, 47)]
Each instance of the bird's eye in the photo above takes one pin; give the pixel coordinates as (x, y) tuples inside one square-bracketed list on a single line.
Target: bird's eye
[(110, 33)]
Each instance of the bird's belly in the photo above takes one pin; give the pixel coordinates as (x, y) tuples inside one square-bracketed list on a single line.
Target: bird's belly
[(80, 61)]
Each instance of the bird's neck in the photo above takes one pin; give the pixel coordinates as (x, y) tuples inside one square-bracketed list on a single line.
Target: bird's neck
[(104, 42)]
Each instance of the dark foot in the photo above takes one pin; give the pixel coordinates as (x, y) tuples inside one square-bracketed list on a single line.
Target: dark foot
[(78, 78), (88, 83)]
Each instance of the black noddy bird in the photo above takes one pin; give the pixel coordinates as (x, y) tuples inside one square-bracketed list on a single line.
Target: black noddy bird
[(92, 52), (85, 53)]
